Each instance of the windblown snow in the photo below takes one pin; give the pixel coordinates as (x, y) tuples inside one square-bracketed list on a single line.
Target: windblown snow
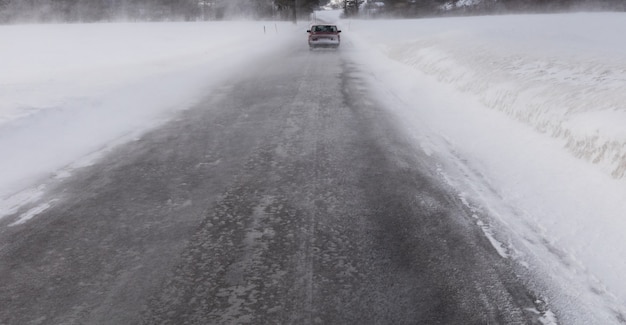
[(69, 90), (525, 113)]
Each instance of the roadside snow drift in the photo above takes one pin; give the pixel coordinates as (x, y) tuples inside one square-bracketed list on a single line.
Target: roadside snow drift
[(526, 114), (563, 75)]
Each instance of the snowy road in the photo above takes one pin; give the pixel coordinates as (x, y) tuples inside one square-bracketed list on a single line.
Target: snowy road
[(287, 196)]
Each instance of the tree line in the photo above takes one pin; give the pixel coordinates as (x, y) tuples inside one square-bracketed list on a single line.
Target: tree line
[(192, 10), (419, 8), (149, 10)]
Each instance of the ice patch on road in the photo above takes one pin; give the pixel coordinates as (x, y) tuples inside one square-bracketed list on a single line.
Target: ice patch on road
[(546, 317), (12, 204), (500, 248), (486, 229), (32, 213)]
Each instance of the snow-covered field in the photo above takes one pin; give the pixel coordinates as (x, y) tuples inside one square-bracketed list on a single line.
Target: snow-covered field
[(524, 113), (70, 92)]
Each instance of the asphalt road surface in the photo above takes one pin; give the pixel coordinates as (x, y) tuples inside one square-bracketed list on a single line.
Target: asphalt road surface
[(287, 196)]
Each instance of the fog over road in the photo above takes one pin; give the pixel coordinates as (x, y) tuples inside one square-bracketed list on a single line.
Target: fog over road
[(288, 196)]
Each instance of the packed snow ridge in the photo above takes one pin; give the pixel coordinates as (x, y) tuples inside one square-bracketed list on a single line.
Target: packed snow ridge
[(563, 75)]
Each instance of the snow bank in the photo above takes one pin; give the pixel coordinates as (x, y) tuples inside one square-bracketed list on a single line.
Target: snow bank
[(69, 90), (524, 116), (564, 75)]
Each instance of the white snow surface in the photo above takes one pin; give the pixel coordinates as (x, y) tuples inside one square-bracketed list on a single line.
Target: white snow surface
[(70, 90), (524, 113)]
